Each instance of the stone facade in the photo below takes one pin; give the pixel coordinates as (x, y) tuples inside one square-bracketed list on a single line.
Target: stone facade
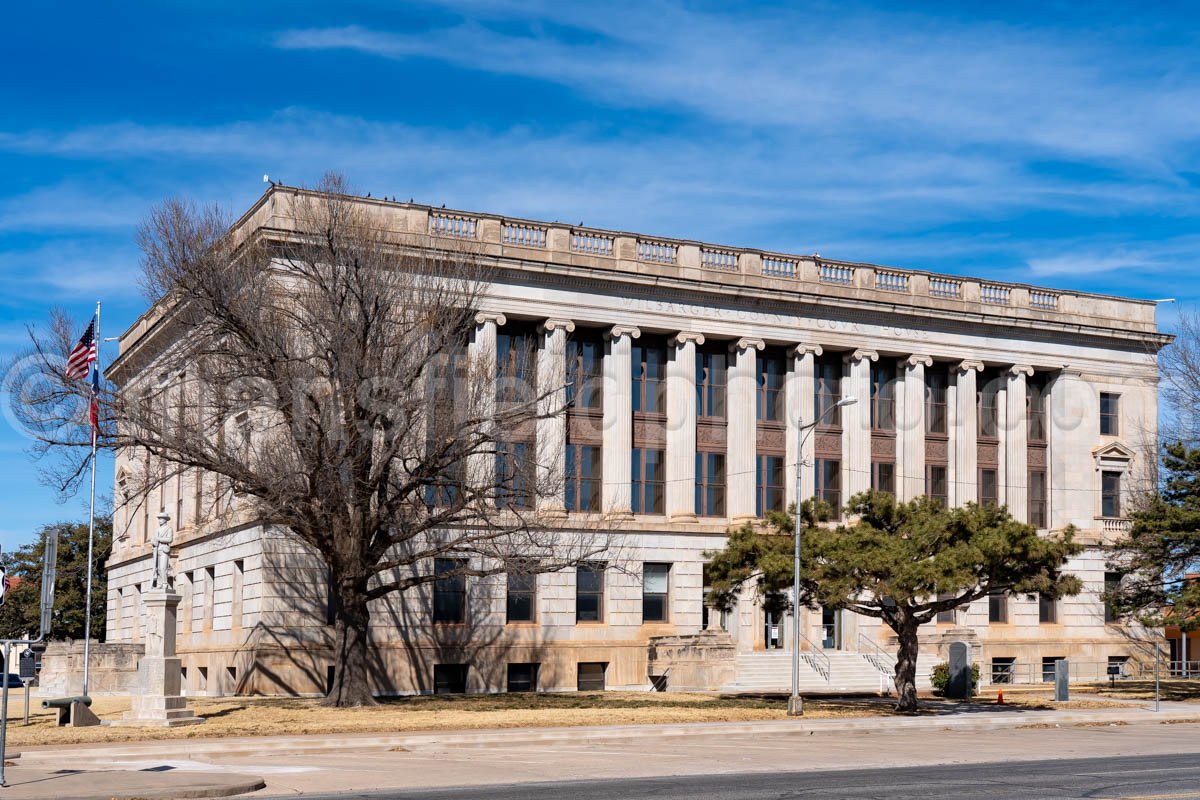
[(968, 390)]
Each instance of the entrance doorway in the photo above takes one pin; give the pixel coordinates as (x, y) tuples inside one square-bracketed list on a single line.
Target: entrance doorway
[(831, 628)]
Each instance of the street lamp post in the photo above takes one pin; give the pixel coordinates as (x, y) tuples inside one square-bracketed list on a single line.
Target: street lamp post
[(795, 702)]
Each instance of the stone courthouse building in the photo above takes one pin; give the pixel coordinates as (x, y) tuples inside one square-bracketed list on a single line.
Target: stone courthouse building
[(702, 362)]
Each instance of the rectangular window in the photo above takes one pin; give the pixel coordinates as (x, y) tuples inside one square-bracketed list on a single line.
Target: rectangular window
[(769, 388), (514, 475), (648, 481), (829, 483), (710, 484), (449, 678), (1035, 404), (649, 378), (945, 617), (883, 477), (589, 593), (936, 486), (583, 477), (1004, 669), (521, 603), (1047, 610), (935, 402), (591, 676), (585, 372), (998, 607), (1037, 498), (523, 677), (769, 481), (989, 409), (238, 590), (1110, 494), (989, 487), (1112, 583), (1110, 414), (828, 387), (711, 373), (883, 397), (1048, 663), (449, 591), (516, 349), (655, 587)]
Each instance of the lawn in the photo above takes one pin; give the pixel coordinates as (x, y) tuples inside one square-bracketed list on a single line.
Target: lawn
[(260, 716)]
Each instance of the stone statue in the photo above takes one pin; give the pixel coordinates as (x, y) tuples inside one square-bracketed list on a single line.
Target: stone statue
[(162, 553)]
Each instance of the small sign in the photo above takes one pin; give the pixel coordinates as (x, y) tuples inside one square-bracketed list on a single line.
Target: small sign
[(27, 665)]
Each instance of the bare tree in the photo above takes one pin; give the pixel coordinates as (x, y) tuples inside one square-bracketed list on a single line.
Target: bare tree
[(1180, 367), (319, 379)]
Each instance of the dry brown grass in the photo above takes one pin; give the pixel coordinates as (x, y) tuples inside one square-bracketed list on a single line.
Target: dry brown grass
[(255, 716)]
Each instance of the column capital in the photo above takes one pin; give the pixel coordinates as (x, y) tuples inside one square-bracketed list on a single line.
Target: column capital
[(863, 354), (1020, 369), (617, 331), (970, 364), (556, 324), (745, 343), (922, 360), (686, 337), (804, 349), (484, 317)]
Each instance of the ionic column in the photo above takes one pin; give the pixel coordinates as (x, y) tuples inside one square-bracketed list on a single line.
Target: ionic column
[(856, 424), (1016, 443), (482, 466), (618, 420), (964, 479), (551, 427), (742, 429), (681, 428), (911, 429), (800, 392)]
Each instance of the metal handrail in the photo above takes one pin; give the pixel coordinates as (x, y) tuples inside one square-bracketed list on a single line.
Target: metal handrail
[(817, 659), (876, 655)]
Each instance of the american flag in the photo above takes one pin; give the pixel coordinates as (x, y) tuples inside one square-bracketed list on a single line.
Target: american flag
[(79, 362)]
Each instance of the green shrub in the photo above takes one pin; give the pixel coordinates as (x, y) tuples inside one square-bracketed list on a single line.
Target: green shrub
[(940, 678)]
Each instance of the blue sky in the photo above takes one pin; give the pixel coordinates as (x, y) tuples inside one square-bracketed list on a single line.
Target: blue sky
[(1040, 142)]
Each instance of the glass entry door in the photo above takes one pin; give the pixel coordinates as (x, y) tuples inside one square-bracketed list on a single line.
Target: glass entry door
[(831, 628)]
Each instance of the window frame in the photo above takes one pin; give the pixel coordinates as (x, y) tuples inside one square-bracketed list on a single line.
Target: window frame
[(930, 483), (600, 569), (711, 384), (992, 497), (585, 372), (582, 474), (710, 492), (827, 392), (770, 381), (1038, 507), (1047, 610), (649, 378), (824, 469), (1110, 493), (883, 397), (1110, 418), (937, 403), (769, 496), (664, 596), (883, 472), (452, 586), (527, 592), (998, 608), (514, 461), (644, 487)]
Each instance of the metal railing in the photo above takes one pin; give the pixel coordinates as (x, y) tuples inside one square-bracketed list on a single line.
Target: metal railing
[(880, 659), (815, 657), (1027, 673)]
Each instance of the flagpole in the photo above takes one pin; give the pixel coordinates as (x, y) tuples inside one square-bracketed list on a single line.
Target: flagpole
[(87, 618)]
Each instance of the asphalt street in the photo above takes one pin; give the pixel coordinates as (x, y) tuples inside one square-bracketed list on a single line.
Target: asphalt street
[(1153, 777)]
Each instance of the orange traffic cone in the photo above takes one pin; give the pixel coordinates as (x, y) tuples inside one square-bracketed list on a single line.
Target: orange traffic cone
[(999, 697)]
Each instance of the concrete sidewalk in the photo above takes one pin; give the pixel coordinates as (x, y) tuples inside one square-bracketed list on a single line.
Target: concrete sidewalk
[(965, 719), (25, 783)]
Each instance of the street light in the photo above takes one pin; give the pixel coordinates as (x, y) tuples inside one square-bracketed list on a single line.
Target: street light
[(795, 703)]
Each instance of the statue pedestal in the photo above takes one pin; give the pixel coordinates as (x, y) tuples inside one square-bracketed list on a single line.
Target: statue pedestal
[(159, 700)]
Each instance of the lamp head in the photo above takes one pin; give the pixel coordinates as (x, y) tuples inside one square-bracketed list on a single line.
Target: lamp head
[(847, 401)]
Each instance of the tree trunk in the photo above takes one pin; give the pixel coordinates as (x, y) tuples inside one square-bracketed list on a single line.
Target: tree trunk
[(906, 665), (351, 684)]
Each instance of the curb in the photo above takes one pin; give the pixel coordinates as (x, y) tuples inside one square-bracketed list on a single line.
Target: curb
[(181, 792), (194, 749)]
